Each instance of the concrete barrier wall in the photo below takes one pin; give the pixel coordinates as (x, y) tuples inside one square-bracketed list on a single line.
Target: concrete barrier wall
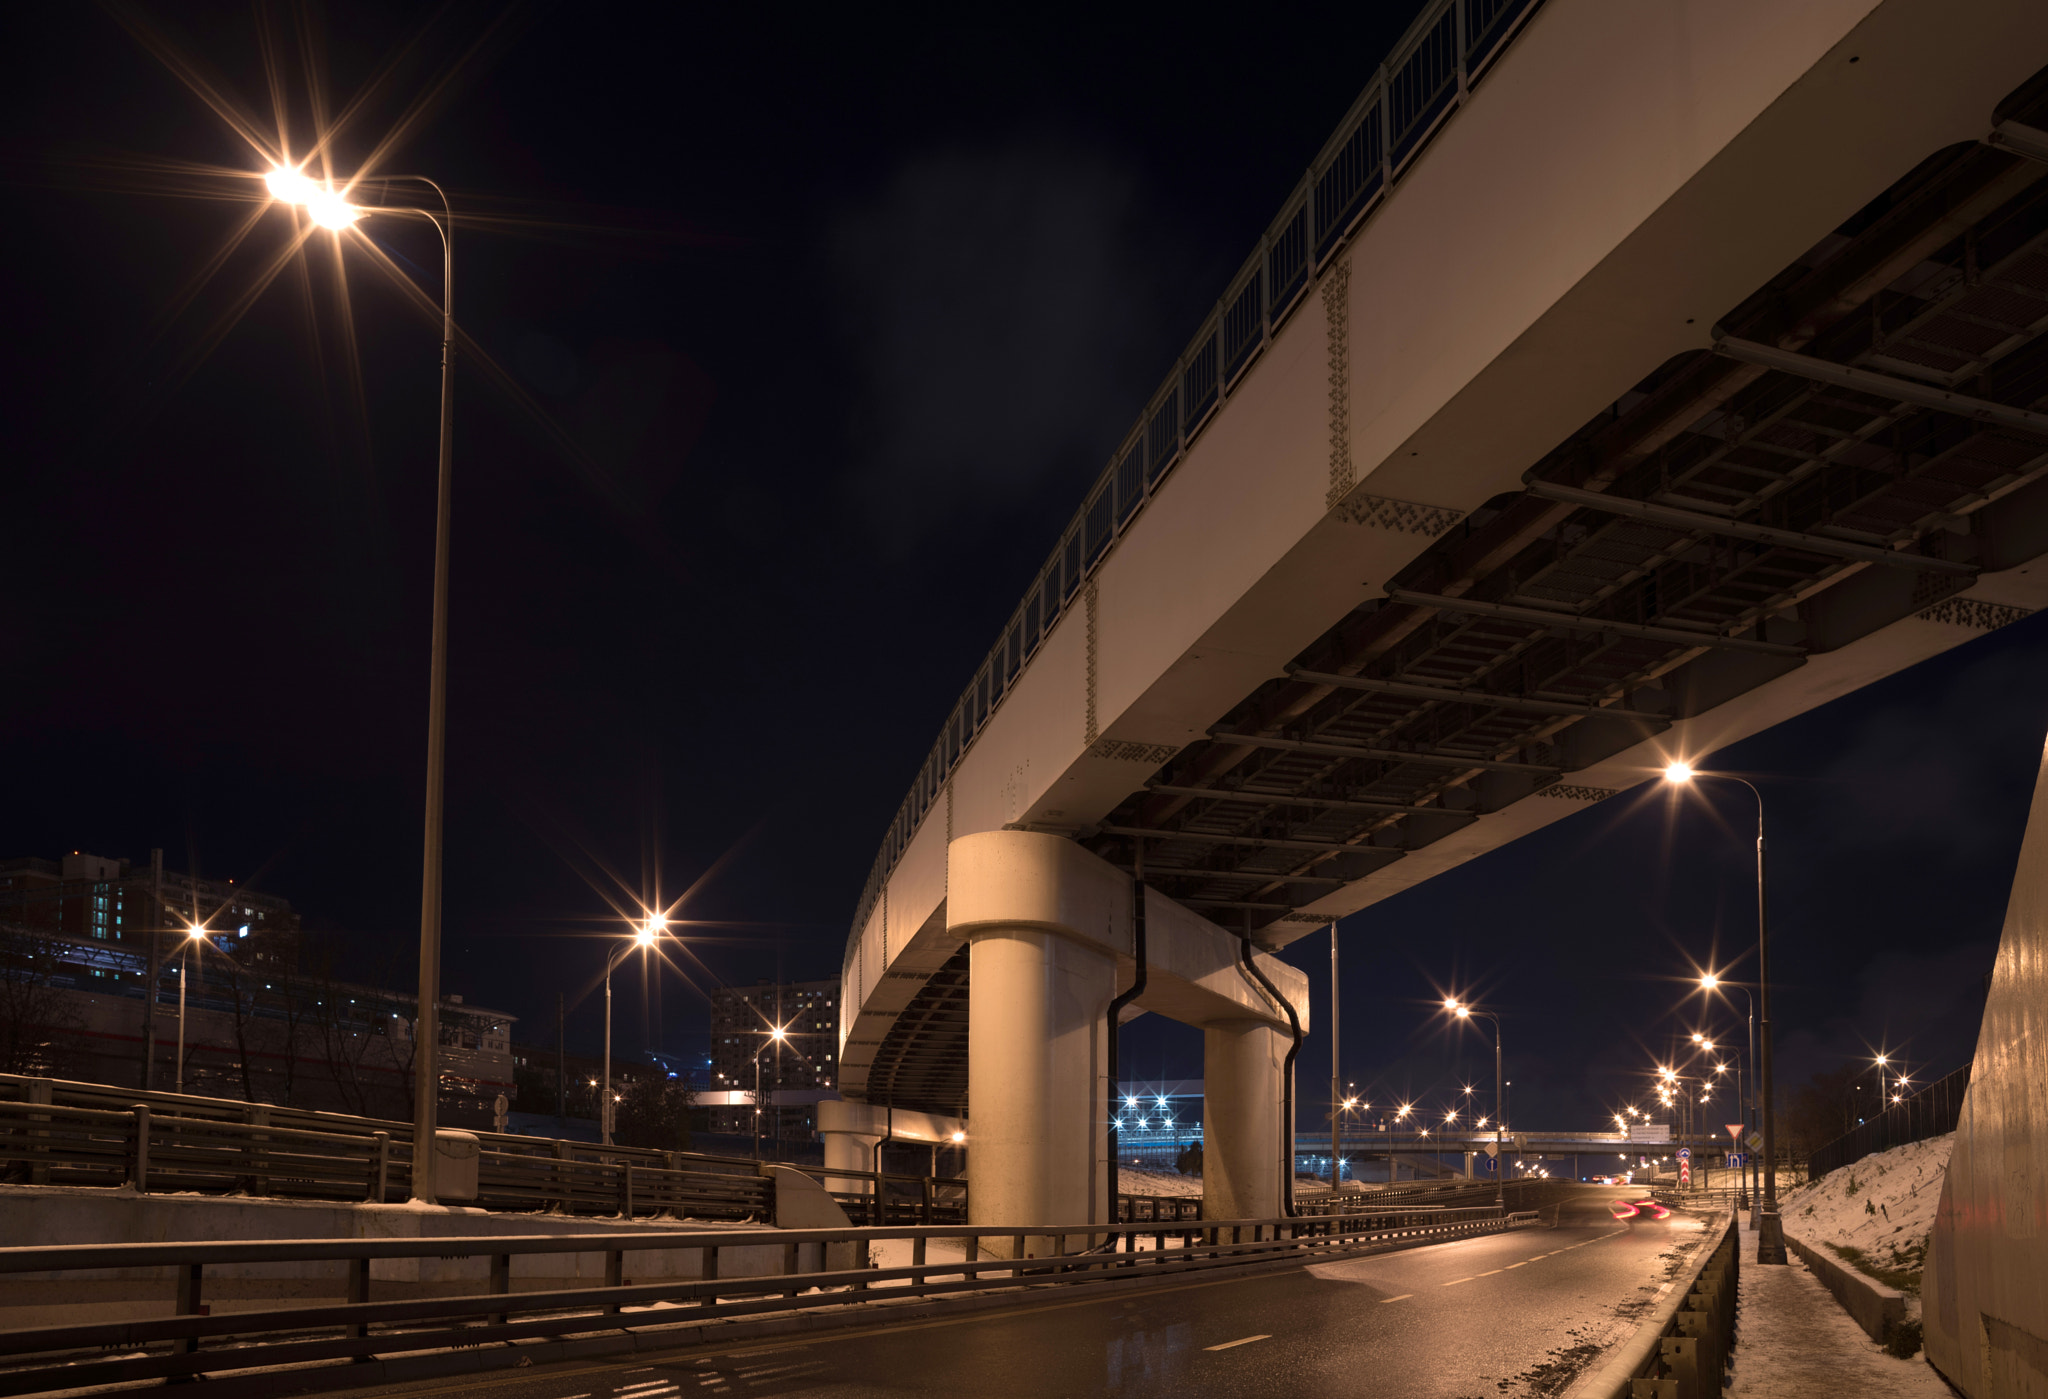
[(1876, 1308), (33, 1216), (1985, 1290)]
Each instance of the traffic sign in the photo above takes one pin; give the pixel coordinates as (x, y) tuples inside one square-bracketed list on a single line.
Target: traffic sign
[(1735, 1130), (1492, 1148), (1685, 1153), (1755, 1141), (1684, 1171), (1736, 1159)]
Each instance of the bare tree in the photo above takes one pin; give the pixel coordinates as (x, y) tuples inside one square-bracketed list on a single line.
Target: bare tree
[(37, 1016), (654, 1112)]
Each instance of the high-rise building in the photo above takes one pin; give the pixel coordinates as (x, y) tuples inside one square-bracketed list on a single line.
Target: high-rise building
[(743, 1022)]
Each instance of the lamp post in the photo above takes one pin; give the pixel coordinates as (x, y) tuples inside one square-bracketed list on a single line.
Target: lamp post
[(1711, 983), (776, 1035), (1465, 1012), (331, 209), (193, 935), (643, 938), (1770, 1247)]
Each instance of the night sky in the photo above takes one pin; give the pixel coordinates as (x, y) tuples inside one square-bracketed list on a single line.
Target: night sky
[(805, 332)]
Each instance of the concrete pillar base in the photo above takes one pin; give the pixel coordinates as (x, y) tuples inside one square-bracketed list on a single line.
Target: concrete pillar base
[(1241, 1127)]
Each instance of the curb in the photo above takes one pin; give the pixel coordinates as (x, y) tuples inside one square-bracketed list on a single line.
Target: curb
[(1878, 1309), (1632, 1356)]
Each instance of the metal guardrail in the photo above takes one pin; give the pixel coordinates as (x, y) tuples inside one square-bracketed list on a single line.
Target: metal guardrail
[(1682, 1350), (1432, 70), (55, 1132), (491, 1325), (1930, 1112)]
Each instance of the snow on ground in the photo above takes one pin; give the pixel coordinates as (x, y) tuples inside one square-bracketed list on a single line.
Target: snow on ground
[(1877, 1213), (1794, 1341), (1133, 1181)]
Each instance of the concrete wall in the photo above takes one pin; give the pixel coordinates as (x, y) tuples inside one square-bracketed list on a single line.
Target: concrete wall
[(51, 1216), (1985, 1289), (1876, 1308)]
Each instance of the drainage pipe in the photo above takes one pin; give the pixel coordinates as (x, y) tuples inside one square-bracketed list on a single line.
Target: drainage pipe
[(1244, 950), (1116, 1007)]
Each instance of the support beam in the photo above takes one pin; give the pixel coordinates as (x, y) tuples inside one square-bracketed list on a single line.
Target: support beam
[(1451, 694), (1236, 794), (1249, 876), (1273, 842), (1571, 621), (1675, 518), (1826, 371), (1387, 755), (2020, 139)]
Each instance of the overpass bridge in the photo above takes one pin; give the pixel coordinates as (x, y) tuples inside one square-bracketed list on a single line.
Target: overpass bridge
[(1619, 381)]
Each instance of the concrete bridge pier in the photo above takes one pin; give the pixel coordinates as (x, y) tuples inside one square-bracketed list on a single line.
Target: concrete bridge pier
[(1049, 931), (1242, 1062)]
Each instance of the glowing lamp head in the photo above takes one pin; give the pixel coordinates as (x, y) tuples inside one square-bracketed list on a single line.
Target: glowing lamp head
[(322, 205), (959, 1137), (197, 930), (1678, 774), (644, 935), (1709, 982), (778, 1034)]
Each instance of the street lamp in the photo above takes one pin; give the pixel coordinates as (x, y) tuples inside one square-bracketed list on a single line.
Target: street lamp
[(776, 1035), (643, 938), (1770, 1247), (1465, 1012), (331, 209), (193, 936), (1711, 983)]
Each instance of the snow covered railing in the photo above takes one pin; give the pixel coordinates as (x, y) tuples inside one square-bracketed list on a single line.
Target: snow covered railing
[(327, 1343)]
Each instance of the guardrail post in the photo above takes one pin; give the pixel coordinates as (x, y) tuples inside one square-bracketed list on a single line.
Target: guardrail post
[(138, 1161), (564, 1167), (791, 1266), (626, 1191), (501, 1283), (257, 1182), (1681, 1357), (709, 1270), (1653, 1389), (917, 1252), (39, 1158), (931, 1200), (614, 1275), (380, 1166), (190, 1303), (358, 1293), (672, 1199)]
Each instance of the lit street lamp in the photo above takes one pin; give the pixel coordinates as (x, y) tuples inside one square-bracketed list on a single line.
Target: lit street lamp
[(776, 1035), (1465, 1012), (193, 937), (643, 938), (331, 209), (1711, 983), (1770, 1247)]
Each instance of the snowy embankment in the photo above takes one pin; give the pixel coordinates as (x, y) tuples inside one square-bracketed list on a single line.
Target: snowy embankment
[(1133, 1181), (1876, 1214)]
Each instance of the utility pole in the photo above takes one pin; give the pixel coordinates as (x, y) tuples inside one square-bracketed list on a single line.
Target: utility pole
[(561, 1066), (1336, 1082), (156, 968)]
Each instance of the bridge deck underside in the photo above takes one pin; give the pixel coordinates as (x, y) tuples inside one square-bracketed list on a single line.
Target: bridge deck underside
[(1272, 812)]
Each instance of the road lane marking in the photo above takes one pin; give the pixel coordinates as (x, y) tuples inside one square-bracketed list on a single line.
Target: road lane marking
[(1402, 1298), (1518, 1265), (1455, 1281), (1242, 1341), (1489, 1273)]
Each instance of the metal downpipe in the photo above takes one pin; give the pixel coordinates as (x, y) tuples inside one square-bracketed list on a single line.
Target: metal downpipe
[(1116, 1007), (1244, 952)]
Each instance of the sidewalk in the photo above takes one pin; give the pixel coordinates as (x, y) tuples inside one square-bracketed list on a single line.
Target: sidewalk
[(1794, 1341)]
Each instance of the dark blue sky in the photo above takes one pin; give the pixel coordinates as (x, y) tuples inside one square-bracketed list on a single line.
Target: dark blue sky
[(809, 328)]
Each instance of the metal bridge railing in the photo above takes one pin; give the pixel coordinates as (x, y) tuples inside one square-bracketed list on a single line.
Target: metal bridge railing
[(59, 1133), (497, 1324), (1429, 74), (1930, 1112)]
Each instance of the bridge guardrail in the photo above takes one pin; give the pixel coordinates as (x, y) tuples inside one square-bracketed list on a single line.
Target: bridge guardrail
[(1434, 67), (499, 1319), (64, 1133)]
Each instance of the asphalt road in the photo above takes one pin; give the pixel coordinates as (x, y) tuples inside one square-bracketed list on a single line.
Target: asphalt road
[(1516, 1314)]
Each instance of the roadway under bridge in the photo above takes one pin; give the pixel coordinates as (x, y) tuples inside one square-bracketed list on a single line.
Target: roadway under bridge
[(1620, 381)]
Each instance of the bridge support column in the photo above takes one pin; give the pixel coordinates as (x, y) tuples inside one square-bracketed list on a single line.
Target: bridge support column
[(1241, 1142), (1036, 1075)]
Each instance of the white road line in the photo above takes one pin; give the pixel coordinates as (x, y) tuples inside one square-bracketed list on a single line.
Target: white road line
[(1242, 1341), (1490, 1272), (1402, 1298), (1455, 1281), (1518, 1265)]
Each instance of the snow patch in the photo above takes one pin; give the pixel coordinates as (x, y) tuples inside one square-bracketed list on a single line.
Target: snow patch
[(1876, 1215)]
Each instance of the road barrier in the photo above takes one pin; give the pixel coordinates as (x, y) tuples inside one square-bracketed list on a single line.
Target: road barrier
[(54, 1132), (1932, 1111), (1681, 1351), (822, 1270)]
